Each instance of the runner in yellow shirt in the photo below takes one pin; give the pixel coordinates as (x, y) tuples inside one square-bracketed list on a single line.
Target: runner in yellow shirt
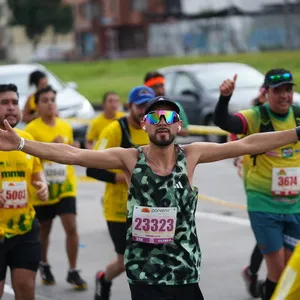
[(62, 186), (126, 133), (20, 248), (111, 104), (271, 185), (39, 80)]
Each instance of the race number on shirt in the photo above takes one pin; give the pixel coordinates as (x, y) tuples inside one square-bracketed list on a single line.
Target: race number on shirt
[(154, 225), (285, 181), (55, 173), (15, 194)]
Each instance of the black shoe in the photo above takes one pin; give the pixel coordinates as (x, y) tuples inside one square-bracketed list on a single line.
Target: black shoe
[(261, 289), (102, 287), (252, 284), (47, 276), (75, 279)]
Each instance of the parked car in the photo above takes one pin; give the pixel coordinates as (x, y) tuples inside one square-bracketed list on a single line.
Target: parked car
[(71, 104), (196, 87)]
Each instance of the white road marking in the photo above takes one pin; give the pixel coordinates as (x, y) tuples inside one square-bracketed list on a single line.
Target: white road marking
[(223, 219)]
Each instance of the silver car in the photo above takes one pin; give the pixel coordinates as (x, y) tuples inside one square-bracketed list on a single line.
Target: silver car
[(71, 104), (196, 88)]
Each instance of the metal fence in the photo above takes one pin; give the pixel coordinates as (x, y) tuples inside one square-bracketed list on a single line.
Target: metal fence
[(229, 34)]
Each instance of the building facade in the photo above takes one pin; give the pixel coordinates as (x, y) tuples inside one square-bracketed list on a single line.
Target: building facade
[(5, 39)]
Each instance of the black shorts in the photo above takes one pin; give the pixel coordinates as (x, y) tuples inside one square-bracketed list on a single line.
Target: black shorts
[(21, 251), (166, 292), (49, 212), (117, 231)]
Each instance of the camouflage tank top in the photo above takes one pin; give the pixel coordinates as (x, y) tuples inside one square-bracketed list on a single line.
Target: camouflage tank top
[(162, 261)]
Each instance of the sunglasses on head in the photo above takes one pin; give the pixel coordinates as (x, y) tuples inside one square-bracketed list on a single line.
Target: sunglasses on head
[(280, 77), (154, 117)]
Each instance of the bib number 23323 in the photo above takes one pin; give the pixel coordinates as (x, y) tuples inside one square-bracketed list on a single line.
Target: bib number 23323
[(154, 225), (285, 181)]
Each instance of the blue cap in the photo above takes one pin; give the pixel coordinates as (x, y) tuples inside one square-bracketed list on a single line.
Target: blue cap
[(141, 94)]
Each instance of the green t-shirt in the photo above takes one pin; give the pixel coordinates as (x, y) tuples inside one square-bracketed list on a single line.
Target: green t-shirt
[(269, 168)]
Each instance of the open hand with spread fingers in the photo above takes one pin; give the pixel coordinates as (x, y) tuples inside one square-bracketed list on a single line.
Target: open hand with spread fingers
[(228, 86), (9, 139)]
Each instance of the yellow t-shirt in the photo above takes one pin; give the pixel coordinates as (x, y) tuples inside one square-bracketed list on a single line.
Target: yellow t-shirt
[(32, 105), (115, 196), (16, 169), (61, 178), (268, 167), (288, 287), (98, 124)]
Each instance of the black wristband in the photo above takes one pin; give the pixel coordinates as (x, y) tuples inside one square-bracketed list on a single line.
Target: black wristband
[(298, 132)]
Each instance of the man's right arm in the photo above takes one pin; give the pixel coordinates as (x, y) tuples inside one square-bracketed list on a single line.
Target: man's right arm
[(222, 118), (66, 154), (233, 123), (62, 153)]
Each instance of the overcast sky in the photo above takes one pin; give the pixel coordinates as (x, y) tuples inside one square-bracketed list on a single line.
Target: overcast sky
[(195, 6)]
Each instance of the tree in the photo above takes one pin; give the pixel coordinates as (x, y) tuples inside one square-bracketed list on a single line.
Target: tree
[(62, 21), (37, 15)]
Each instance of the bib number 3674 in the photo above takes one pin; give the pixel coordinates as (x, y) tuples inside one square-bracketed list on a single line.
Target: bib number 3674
[(154, 225), (285, 181)]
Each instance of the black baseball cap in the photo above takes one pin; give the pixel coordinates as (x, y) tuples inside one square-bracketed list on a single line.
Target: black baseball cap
[(161, 100), (278, 77)]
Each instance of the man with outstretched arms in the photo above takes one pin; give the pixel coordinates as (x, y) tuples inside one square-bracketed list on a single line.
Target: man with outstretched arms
[(162, 256)]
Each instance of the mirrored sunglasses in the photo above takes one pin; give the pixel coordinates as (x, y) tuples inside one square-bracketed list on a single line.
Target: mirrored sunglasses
[(280, 77), (154, 117)]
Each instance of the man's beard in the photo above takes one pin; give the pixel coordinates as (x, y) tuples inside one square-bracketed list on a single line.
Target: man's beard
[(137, 119), (13, 125), (162, 142)]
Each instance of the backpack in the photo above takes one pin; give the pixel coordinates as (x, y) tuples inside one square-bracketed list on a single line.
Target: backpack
[(266, 123), (126, 139)]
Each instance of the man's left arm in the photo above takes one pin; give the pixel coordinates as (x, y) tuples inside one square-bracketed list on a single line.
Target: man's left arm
[(252, 144)]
